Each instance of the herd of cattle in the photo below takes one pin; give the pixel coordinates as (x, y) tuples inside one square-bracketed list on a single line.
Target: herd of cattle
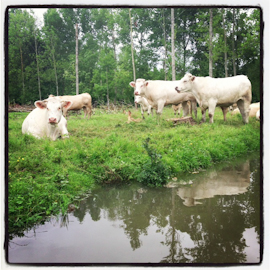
[(48, 118)]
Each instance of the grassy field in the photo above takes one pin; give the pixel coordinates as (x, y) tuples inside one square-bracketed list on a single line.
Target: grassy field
[(46, 176)]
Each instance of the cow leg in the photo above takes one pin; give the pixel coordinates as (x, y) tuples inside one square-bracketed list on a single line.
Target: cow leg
[(194, 108), (211, 113), (88, 109), (185, 108), (224, 110), (203, 114), (244, 109), (160, 107)]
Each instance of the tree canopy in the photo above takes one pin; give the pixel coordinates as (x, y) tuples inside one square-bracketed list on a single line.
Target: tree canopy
[(41, 60)]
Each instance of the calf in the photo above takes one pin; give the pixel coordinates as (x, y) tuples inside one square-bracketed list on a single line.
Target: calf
[(223, 92), (46, 120), (177, 108), (145, 106)]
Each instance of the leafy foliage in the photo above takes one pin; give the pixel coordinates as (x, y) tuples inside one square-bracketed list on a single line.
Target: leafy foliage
[(154, 173), (105, 66)]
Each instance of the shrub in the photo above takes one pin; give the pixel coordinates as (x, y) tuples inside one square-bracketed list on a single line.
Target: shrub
[(154, 173)]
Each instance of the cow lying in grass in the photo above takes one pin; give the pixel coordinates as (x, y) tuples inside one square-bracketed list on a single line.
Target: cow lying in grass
[(46, 120)]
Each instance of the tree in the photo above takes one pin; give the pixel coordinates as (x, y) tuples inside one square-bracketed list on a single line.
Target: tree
[(210, 43), (118, 44), (131, 44), (77, 60), (173, 38)]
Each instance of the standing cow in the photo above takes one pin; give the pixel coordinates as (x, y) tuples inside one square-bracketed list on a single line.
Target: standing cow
[(223, 92), (81, 101), (162, 93), (46, 120), (145, 106)]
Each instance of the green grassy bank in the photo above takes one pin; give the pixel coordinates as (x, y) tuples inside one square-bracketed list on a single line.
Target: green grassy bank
[(45, 176)]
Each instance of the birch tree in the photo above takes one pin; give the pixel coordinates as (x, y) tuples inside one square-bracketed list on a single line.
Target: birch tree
[(132, 46), (77, 60), (211, 43), (173, 50)]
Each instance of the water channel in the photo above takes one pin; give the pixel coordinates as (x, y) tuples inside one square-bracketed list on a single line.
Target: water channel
[(210, 217)]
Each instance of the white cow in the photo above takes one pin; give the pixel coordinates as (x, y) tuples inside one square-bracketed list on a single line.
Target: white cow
[(145, 106), (223, 92), (258, 115), (162, 93), (253, 109), (81, 101), (46, 120)]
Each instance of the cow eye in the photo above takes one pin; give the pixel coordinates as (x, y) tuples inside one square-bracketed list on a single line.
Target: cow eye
[(59, 108)]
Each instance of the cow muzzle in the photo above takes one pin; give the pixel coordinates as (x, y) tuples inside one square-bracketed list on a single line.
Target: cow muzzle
[(53, 120), (136, 93)]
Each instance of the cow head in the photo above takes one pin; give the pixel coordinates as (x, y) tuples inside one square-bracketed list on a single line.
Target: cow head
[(137, 99), (139, 86), (54, 107), (185, 84)]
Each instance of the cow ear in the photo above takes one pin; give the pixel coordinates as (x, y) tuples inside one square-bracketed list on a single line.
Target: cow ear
[(132, 84), (41, 104), (193, 78), (66, 104), (146, 83)]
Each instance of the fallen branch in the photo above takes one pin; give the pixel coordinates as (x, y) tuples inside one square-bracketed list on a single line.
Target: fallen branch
[(187, 119)]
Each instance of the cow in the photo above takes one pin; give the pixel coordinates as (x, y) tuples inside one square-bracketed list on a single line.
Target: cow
[(223, 92), (46, 120), (258, 115), (253, 109), (81, 101), (145, 106), (162, 93)]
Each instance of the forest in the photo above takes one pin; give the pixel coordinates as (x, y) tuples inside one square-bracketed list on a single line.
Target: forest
[(100, 50)]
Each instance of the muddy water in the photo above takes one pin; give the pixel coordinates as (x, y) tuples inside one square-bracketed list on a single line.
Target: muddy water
[(202, 217)]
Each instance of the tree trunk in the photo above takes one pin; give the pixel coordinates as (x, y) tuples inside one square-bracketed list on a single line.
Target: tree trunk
[(55, 71), (23, 92), (225, 46), (39, 90), (77, 61), (210, 44), (115, 58), (172, 36), (132, 55), (108, 98), (165, 47), (233, 45)]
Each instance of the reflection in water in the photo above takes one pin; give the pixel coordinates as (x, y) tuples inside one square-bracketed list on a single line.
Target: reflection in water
[(228, 181), (139, 224)]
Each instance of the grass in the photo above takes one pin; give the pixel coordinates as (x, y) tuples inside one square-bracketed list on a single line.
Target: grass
[(45, 176)]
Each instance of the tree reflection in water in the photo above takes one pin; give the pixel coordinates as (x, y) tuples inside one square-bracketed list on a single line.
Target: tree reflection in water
[(213, 212)]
